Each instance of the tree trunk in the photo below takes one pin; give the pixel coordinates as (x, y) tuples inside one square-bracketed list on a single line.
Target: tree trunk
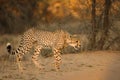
[(105, 28), (94, 28)]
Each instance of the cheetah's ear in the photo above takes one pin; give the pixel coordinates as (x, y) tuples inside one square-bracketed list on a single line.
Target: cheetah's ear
[(8, 46)]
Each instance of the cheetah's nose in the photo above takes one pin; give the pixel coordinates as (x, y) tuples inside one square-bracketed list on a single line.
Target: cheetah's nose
[(77, 47)]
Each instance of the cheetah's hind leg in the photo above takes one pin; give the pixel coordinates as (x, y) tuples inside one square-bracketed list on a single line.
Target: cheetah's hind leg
[(35, 59), (19, 63)]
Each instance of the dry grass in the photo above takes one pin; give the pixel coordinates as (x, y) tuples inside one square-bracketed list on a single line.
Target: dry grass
[(81, 29)]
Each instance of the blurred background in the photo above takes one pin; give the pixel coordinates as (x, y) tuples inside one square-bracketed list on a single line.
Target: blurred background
[(95, 22)]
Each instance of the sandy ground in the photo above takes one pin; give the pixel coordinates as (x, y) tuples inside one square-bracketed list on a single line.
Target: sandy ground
[(98, 65)]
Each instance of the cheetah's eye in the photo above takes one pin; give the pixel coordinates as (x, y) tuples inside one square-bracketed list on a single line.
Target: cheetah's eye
[(76, 41)]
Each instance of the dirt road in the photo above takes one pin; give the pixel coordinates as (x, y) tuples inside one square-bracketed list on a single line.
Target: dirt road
[(99, 65)]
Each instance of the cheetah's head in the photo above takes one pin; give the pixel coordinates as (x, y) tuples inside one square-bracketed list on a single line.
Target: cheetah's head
[(73, 41)]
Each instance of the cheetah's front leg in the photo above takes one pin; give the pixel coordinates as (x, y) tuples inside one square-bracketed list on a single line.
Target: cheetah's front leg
[(57, 56)]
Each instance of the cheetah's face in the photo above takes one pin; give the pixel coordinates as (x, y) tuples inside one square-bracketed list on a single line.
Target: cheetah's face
[(74, 42)]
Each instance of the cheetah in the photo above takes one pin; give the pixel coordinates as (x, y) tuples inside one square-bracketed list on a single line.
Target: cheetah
[(39, 39)]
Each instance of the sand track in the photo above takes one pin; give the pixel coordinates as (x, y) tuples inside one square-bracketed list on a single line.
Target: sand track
[(99, 65)]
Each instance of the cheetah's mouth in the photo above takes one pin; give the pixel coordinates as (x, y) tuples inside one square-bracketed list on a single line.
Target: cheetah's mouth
[(77, 47)]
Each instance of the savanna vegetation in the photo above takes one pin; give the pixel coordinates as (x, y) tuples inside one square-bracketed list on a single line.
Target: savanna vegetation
[(95, 22)]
